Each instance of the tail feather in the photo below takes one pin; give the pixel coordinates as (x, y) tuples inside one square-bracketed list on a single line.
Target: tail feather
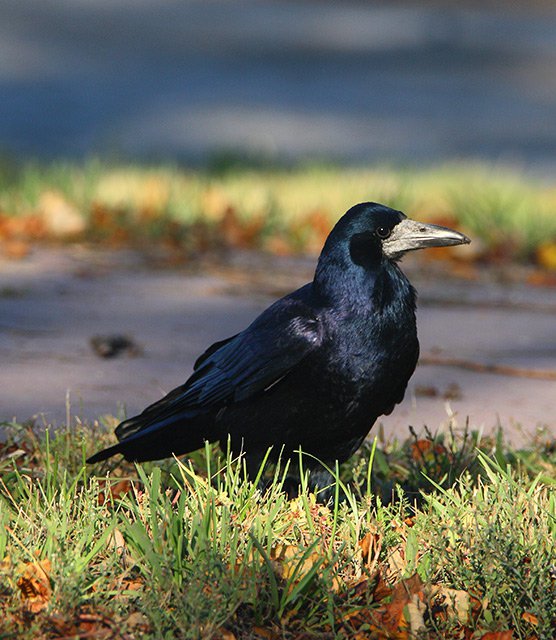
[(142, 440), (105, 454)]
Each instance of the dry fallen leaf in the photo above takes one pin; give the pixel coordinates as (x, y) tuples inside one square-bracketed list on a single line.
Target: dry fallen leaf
[(426, 391), (61, 218), (82, 625), (371, 545), (498, 635), (16, 249), (290, 562), (114, 492), (415, 614), (542, 278), (546, 255), (399, 619), (450, 602), (426, 450), (34, 584), (266, 634), (396, 563), (530, 618), (137, 620)]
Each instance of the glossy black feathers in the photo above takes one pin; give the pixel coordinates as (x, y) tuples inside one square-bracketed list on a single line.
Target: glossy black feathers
[(315, 370)]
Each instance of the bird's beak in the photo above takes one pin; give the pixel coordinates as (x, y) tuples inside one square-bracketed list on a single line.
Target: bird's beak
[(409, 235)]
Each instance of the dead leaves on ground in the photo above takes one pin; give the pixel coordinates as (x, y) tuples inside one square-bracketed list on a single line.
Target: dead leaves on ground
[(33, 582), (110, 493), (410, 609), (34, 585), (126, 208), (385, 603), (546, 255), (379, 600), (372, 606)]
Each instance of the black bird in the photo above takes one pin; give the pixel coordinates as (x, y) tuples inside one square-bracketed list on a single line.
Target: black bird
[(312, 372)]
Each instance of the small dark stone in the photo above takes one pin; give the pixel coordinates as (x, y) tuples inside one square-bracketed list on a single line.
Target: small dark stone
[(114, 345)]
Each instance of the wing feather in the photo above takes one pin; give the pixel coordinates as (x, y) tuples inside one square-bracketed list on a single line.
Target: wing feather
[(239, 367)]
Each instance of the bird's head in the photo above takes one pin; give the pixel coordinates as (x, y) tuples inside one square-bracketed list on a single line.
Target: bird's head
[(373, 231)]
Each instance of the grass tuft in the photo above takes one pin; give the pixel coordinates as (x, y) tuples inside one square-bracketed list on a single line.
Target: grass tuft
[(440, 537)]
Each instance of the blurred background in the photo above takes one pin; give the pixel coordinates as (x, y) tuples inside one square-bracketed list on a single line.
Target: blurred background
[(353, 81), (220, 140)]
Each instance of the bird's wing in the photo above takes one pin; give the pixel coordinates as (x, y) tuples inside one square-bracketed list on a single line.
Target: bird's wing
[(246, 364), (403, 380), (256, 358), (213, 347)]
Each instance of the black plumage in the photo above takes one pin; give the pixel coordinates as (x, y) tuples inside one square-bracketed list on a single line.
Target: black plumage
[(314, 370)]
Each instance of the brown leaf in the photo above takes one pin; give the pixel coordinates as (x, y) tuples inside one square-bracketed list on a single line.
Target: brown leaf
[(34, 585), (530, 618), (426, 391), (60, 218), (498, 635), (426, 450), (113, 493), (137, 621), (263, 632), (396, 616), (382, 589), (451, 603), (542, 278), (289, 562), (16, 249), (240, 233), (82, 625), (379, 588), (135, 584), (546, 256), (396, 563), (370, 545)]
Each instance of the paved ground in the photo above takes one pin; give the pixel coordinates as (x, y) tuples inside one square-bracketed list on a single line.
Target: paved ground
[(362, 81), (52, 304), (353, 80)]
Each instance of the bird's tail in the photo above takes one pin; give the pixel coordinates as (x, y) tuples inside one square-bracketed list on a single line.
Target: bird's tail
[(146, 438)]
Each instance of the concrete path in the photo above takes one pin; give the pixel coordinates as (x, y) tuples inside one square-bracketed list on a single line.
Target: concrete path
[(359, 81), (52, 303)]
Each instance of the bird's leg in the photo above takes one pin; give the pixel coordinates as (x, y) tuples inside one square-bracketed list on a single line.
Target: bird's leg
[(321, 483), (319, 480)]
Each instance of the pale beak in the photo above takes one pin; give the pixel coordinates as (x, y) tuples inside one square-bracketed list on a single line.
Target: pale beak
[(409, 235)]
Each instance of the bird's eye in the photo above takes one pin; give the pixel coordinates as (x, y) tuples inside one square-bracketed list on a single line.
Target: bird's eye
[(383, 232)]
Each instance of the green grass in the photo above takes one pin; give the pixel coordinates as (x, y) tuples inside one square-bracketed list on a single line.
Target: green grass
[(438, 536), (283, 210)]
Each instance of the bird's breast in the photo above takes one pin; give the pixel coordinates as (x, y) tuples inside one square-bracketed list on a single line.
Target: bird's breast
[(365, 359)]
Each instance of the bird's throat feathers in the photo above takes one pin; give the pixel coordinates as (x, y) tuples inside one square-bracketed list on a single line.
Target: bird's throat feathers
[(380, 287), (392, 292)]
